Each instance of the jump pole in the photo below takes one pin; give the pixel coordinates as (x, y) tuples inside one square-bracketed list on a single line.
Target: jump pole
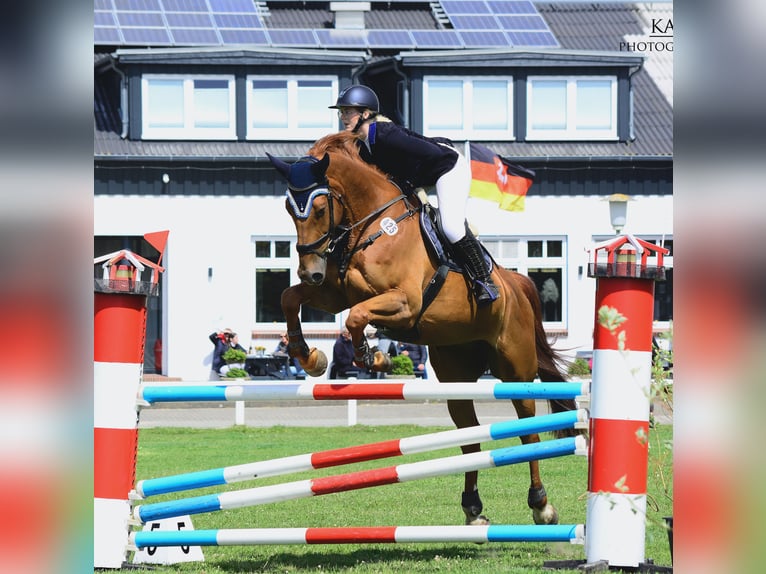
[(362, 479), (150, 394), (620, 401), (361, 453), (120, 298), (573, 533)]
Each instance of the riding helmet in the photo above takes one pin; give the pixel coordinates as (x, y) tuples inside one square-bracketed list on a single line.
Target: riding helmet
[(358, 97)]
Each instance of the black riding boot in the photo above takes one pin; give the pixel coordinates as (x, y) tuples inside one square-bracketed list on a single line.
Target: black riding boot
[(471, 256)]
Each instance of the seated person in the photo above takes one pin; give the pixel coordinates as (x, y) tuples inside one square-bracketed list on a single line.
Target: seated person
[(343, 365), (385, 344), (281, 351), (418, 354)]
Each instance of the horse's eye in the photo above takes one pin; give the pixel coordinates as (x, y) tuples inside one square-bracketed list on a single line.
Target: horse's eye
[(319, 212)]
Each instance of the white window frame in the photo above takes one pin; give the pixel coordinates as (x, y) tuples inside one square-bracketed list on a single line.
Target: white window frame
[(290, 264), (188, 131), (500, 246), (468, 131), (292, 131), (571, 132)]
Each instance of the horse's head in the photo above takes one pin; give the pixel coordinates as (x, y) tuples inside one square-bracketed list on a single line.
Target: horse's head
[(315, 211)]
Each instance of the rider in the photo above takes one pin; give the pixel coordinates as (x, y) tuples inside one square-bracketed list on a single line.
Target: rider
[(414, 160)]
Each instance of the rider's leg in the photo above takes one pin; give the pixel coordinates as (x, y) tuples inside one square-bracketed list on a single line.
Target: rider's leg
[(452, 190)]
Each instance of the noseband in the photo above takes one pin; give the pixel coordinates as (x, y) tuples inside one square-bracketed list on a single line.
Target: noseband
[(334, 232)]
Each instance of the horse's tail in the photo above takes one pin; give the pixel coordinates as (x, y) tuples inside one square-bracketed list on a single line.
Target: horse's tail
[(550, 363)]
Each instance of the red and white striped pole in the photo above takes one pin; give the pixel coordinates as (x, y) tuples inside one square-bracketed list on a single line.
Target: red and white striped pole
[(620, 402), (118, 358)]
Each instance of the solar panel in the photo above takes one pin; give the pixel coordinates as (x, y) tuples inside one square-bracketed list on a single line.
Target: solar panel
[(185, 5), (436, 39), (465, 7), (240, 36), (522, 22), (476, 23), (300, 38), (103, 19), (188, 20), (195, 36), (484, 38), (107, 35), (237, 20), (233, 6), (138, 5), (511, 7), (484, 22), (390, 39), (140, 19), (146, 36)]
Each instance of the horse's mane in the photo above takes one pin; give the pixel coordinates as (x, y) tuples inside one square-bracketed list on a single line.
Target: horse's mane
[(340, 142), (345, 144)]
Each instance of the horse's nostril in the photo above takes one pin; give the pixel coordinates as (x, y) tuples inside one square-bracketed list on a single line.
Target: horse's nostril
[(317, 278)]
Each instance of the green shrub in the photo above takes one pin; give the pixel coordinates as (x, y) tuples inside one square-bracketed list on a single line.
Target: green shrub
[(237, 373), (402, 365), (234, 356), (579, 368)]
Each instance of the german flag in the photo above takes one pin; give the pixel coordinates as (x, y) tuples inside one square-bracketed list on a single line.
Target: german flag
[(496, 179)]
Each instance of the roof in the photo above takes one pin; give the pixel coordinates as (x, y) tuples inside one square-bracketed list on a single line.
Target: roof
[(592, 31)]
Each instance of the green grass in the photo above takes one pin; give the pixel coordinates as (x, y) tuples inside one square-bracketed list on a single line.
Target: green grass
[(434, 501)]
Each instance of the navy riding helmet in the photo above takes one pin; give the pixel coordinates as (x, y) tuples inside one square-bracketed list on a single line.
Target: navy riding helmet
[(358, 97)]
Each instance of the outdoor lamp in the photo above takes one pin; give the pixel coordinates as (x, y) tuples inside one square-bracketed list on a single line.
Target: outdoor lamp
[(618, 210)]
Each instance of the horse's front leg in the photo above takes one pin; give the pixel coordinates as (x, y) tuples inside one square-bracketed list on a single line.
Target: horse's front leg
[(390, 309), (537, 499), (312, 360)]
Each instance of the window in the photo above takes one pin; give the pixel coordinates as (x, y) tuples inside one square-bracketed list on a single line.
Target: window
[(543, 261), (179, 107), (572, 108), (288, 108), (275, 263), (479, 108)]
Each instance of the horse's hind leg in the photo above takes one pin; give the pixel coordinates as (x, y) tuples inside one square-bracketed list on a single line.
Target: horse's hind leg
[(463, 414), (450, 365), (537, 499)]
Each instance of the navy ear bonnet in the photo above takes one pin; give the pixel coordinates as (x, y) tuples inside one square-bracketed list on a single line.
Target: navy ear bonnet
[(303, 186)]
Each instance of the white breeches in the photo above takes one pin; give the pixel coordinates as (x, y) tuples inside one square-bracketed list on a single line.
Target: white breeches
[(452, 190)]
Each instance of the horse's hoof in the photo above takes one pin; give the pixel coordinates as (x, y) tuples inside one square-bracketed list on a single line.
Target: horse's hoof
[(479, 520), (316, 364), (383, 362), (547, 515)]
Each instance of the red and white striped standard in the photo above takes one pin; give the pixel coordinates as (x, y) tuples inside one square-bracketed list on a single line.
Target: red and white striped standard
[(619, 424), (118, 355)]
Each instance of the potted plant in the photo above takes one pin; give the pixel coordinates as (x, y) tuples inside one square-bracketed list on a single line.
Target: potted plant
[(579, 368), (402, 367), (235, 360)]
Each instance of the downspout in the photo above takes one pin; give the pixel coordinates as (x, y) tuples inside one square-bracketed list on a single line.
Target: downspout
[(631, 73), (404, 105), (356, 72), (123, 97)]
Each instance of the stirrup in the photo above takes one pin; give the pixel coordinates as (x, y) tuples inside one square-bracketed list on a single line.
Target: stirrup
[(485, 293)]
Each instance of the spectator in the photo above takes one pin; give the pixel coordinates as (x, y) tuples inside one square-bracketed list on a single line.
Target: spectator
[(281, 350), (343, 358), (223, 341), (418, 354), (385, 344)]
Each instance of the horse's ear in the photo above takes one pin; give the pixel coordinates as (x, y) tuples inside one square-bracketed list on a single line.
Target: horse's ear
[(281, 166), (319, 168)]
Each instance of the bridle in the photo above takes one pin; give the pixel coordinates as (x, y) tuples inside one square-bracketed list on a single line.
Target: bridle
[(337, 234)]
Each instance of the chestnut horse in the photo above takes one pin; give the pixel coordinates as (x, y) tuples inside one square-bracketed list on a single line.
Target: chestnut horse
[(360, 248)]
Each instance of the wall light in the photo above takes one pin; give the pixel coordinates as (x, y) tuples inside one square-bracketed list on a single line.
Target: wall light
[(618, 211)]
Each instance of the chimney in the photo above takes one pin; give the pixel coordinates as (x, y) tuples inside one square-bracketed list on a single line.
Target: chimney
[(349, 15)]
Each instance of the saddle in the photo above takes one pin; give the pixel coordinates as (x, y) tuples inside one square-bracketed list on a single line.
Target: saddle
[(438, 245)]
